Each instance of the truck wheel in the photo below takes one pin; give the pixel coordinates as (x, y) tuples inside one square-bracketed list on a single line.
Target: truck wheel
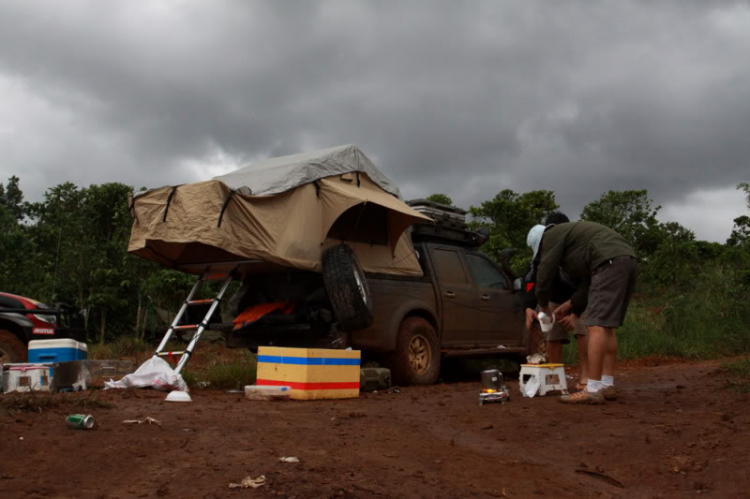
[(12, 350), (347, 289), (417, 357)]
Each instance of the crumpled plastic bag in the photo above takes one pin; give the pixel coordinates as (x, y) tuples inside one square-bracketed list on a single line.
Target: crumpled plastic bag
[(530, 388), (537, 358), (154, 373)]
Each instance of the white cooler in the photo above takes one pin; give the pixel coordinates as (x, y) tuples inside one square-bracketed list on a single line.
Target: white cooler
[(28, 378)]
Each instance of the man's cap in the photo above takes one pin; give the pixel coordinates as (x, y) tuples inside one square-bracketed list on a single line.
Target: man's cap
[(534, 239)]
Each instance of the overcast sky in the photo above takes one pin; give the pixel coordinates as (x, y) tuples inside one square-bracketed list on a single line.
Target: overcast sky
[(466, 98)]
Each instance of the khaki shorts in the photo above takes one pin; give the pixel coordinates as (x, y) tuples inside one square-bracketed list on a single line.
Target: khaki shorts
[(558, 332), (612, 286)]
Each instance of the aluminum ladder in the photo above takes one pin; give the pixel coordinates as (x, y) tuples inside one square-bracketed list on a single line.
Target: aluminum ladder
[(203, 325)]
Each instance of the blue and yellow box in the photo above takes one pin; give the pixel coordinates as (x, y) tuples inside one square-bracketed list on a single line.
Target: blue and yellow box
[(311, 373)]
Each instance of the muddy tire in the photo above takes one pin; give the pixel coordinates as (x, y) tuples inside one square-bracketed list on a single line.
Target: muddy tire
[(416, 360), (347, 288), (12, 350)]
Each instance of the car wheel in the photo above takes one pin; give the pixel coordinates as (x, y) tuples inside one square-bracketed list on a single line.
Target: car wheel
[(12, 350), (347, 288), (416, 360)]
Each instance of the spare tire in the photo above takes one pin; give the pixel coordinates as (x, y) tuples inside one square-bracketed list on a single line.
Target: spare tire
[(347, 289)]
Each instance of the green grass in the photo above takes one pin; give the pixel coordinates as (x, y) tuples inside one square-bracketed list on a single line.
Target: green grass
[(220, 374), (124, 346), (739, 368), (224, 375), (40, 402), (702, 324), (739, 375)]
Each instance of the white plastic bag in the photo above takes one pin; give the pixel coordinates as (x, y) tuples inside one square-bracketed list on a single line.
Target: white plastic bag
[(154, 373), (530, 388)]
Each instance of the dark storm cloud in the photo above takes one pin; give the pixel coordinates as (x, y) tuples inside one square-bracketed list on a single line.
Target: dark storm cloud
[(466, 98)]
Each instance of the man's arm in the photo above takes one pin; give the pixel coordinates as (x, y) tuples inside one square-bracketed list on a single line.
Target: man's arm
[(552, 256)]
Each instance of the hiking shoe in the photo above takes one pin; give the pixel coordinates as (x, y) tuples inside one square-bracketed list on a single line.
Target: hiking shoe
[(583, 397), (579, 387), (609, 393)]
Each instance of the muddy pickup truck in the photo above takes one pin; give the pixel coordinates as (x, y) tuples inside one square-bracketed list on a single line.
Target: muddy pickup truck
[(463, 305)]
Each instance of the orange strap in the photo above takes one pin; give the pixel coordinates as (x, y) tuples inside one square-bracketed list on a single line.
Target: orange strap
[(254, 312)]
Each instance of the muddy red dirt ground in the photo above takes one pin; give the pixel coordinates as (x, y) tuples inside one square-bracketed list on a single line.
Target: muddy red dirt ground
[(676, 431)]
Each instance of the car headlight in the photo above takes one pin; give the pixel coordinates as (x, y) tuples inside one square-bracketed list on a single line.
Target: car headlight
[(49, 319)]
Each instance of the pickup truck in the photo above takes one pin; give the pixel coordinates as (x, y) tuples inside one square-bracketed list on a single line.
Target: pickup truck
[(463, 305)]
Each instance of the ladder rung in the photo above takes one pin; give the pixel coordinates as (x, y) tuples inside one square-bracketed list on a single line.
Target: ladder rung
[(164, 354), (200, 302), (187, 326)]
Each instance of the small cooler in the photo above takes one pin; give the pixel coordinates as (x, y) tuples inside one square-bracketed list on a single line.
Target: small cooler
[(59, 350)]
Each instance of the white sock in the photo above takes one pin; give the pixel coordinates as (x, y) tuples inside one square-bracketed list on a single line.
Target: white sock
[(593, 386), (608, 381)]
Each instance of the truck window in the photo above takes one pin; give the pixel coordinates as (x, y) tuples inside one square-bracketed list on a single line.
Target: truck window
[(485, 274), (448, 267)]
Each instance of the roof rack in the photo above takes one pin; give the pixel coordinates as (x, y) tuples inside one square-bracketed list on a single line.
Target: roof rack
[(450, 225), (437, 210)]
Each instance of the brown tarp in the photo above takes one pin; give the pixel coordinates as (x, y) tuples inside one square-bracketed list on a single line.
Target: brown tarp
[(288, 229)]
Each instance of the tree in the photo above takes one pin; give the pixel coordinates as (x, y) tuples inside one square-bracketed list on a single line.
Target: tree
[(631, 214), (509, 216), (440, 198), (111, 272), (741, 232), (745, 187), (675, 262), (11, 197), (15, 247)]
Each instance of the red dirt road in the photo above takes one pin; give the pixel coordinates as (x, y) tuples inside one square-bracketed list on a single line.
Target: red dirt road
[(675, 432)]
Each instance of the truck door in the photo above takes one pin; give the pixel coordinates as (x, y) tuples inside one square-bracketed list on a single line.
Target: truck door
[(457, 297), (499, 319)]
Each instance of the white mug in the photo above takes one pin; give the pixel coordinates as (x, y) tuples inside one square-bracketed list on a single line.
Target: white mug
[(546, 321)]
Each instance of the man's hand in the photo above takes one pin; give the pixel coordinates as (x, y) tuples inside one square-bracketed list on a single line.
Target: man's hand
[(563, 310), (569, 321), (530, 317)]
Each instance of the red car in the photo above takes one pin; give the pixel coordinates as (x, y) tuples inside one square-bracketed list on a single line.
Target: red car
[(24, 319)]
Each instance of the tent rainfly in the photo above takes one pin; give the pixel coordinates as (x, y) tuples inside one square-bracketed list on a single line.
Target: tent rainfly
[(279, 213)]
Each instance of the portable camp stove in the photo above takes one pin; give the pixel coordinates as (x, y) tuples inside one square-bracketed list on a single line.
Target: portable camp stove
[(493, 388)]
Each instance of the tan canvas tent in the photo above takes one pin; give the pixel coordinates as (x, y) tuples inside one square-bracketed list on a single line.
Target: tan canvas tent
[(280, 212)]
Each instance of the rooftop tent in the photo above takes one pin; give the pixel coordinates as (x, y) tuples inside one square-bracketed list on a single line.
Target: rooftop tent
[(280, 212)]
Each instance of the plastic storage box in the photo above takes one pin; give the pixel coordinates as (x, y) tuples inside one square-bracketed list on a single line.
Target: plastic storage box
[(59, 350), (311, 373)]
